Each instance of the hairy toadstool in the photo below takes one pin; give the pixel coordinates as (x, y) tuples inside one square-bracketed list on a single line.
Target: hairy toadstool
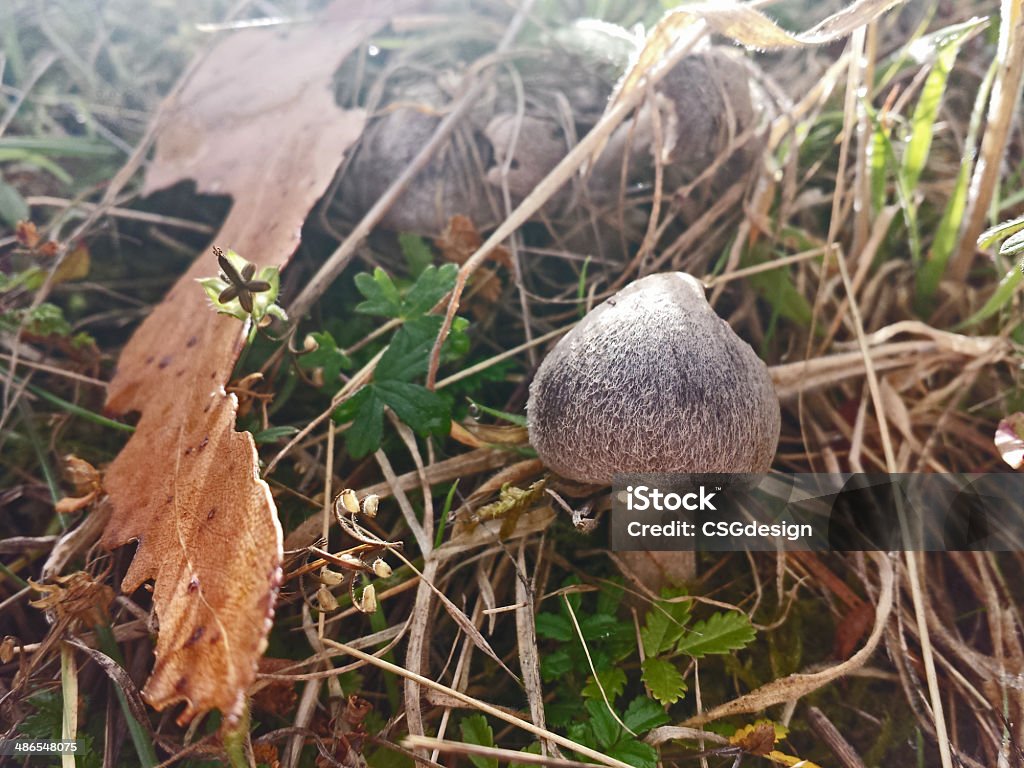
[(652, 380)]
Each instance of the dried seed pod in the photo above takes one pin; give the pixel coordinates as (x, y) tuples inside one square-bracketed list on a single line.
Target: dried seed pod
[(349, 501), (652, 380), (325, 600), (370, 504), (367, 603), (331, 578), (381, 569)]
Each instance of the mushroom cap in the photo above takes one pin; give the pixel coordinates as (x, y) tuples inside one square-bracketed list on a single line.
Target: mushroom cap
[(652, 380)]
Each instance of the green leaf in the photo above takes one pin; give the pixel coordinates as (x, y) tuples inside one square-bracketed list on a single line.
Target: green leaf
[(327, 357), (532, 749), (999, 231), (1003, 293), (721, 633), (556, 665), (635, 753), (13, 207), (610, 596), (57, 146), (605, 727), (406, 357), (366, 412), (642, 714), (273, 434), (664, 624), (554, 626), (382, 297), (476, 730), (777, 288), (1014, 244), (664, 680), (428, 413), (597, 627), (946, 235), (429, 288), (613, 680), (416, 251)]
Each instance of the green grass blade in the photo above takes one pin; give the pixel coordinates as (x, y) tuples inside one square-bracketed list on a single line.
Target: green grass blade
[(946, 44), (947, 234), (1003, 293)]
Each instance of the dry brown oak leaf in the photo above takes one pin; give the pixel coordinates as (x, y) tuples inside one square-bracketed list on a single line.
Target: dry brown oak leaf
[(256, 119)]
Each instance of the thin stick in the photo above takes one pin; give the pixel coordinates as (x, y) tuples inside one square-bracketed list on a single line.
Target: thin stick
[(941, 734), (828, 733), (122, 213), (510, 755), (480, 705)]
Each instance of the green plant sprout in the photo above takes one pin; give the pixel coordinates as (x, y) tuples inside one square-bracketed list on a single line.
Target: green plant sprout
[(243, 291)]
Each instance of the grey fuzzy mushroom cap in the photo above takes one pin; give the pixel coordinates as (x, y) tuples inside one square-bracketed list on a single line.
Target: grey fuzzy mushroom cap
[(652, 380)]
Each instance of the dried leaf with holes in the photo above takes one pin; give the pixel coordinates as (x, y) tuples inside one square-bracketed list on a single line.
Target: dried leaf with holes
[(256, 119)]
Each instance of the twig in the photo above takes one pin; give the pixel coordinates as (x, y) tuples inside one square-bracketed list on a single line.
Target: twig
[(828, 733), (497, 753)]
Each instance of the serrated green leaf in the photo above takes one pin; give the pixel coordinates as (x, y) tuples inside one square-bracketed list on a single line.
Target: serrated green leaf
[(610, 596), (664, 680), (416, 251), (366, 412), (406, 357), (613, 680), (428, 413), (429, 288), (532, 749), (597, 627), (664, 624), (635, 753), (554, 626), (642, 714), (555, 665), (721, 633), (606, 728), (476, 730), (583, 733), (382, 297)]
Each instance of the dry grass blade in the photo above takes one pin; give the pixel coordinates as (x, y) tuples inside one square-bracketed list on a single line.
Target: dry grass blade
[(496, 753), (747, 26), (1001, 115), (460, 618), (482, 706)]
